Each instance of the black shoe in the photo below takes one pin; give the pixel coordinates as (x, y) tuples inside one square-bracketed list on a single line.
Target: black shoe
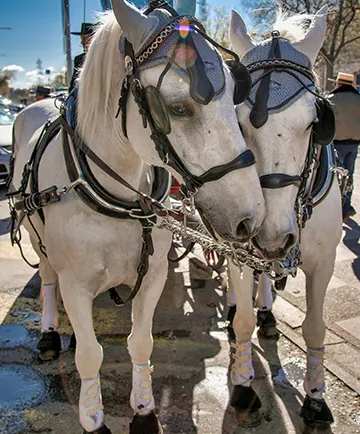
[(350, 213)]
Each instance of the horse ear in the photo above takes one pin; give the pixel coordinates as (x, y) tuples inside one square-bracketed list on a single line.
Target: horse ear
[(136, 26), (313, 40), (239, 37), (185, 7)]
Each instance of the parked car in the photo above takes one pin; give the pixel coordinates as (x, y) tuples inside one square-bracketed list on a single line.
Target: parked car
[(6, 124)]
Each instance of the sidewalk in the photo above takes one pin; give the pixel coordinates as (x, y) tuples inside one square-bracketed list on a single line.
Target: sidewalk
[(342, 305)]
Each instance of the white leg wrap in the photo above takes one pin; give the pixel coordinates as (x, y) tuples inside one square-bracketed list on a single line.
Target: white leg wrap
[(264, 299), (50, 315), (314, 382), (90, 404), (230, 295), (141, 399), (242, 371)]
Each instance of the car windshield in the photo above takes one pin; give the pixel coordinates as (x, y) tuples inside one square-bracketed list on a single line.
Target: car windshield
[(6, 118)]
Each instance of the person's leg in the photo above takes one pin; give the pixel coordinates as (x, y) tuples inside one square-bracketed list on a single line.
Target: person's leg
[(349, 164), (347, 154)]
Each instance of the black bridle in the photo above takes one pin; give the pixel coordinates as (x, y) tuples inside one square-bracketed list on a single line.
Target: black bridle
[(259, 115), (159, 136)]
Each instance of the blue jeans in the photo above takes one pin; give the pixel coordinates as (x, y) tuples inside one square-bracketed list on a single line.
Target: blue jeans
[(348, 154)]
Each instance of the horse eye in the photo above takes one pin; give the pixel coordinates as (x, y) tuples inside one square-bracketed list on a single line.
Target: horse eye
[(179, 109)]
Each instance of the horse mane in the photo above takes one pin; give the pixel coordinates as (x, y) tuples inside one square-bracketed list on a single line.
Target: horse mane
[(292, 27), (100, 83)]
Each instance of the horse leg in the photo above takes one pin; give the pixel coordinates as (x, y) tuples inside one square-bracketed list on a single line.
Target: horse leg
[(140, 344), (315, 411), (244, 399), (49, 343), (231, 304), (78, 301), (265, 318)]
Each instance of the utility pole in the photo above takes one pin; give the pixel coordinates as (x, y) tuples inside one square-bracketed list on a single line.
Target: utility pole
[(66, 28)]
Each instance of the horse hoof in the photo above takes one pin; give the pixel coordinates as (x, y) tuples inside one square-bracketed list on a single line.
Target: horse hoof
[(267, 325), (72, 344), (247, 405), (147, 424), (270, 333), (316, 429), (246, 419), (49, 346), (316, 415), (102, 430)]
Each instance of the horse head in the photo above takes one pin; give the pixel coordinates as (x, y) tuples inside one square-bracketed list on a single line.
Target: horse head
[(189, 94), (281, 120)]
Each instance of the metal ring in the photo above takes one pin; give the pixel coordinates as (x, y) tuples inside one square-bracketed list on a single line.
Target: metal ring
[(163, 34)]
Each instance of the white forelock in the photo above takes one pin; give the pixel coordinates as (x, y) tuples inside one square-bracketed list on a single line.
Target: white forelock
[(293, 27)]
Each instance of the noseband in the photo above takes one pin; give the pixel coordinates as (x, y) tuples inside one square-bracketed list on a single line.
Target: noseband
[(152, 107), (322, 134)]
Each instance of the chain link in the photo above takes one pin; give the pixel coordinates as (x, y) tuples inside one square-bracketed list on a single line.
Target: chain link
[(239, 256), (164, 34), (282, 63)]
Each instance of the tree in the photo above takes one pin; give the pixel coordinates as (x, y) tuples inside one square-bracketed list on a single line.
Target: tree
[(217, 24), (5, 77), (59, 80), (342, 38)]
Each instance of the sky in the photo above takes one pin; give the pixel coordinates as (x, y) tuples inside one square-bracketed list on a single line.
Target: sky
[(37, 33)]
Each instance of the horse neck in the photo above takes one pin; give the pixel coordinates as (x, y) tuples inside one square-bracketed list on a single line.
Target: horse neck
[(100, 84)]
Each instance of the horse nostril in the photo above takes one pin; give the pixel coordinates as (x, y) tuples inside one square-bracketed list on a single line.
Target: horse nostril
[(289, 241), (243, 231)]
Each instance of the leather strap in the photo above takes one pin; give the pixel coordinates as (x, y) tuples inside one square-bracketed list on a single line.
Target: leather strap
[(143, 267), (259, 112), (279, 180), (246, 159), (94, 158)]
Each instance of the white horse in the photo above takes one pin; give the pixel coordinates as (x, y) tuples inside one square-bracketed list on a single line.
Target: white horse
[(280, 127), (89, 252)]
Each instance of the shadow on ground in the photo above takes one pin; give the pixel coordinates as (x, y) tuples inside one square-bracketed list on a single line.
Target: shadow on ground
[(181, 344), (351, 241)]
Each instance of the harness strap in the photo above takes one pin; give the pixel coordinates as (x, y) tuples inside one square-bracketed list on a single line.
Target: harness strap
[(279, 180), (259, 113), (94, 158), (188, 249), (147, 250)]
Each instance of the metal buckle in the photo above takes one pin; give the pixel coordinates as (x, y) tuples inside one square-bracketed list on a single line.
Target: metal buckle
[(129, 66), (188, 205)]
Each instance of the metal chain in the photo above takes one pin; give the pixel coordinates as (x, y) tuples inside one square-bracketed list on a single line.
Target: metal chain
[(239, 256), (164, 34), (282, 63)]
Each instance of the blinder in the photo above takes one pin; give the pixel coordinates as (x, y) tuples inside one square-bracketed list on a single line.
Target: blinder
[(158, 110), (324, 129), (242, 79)]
